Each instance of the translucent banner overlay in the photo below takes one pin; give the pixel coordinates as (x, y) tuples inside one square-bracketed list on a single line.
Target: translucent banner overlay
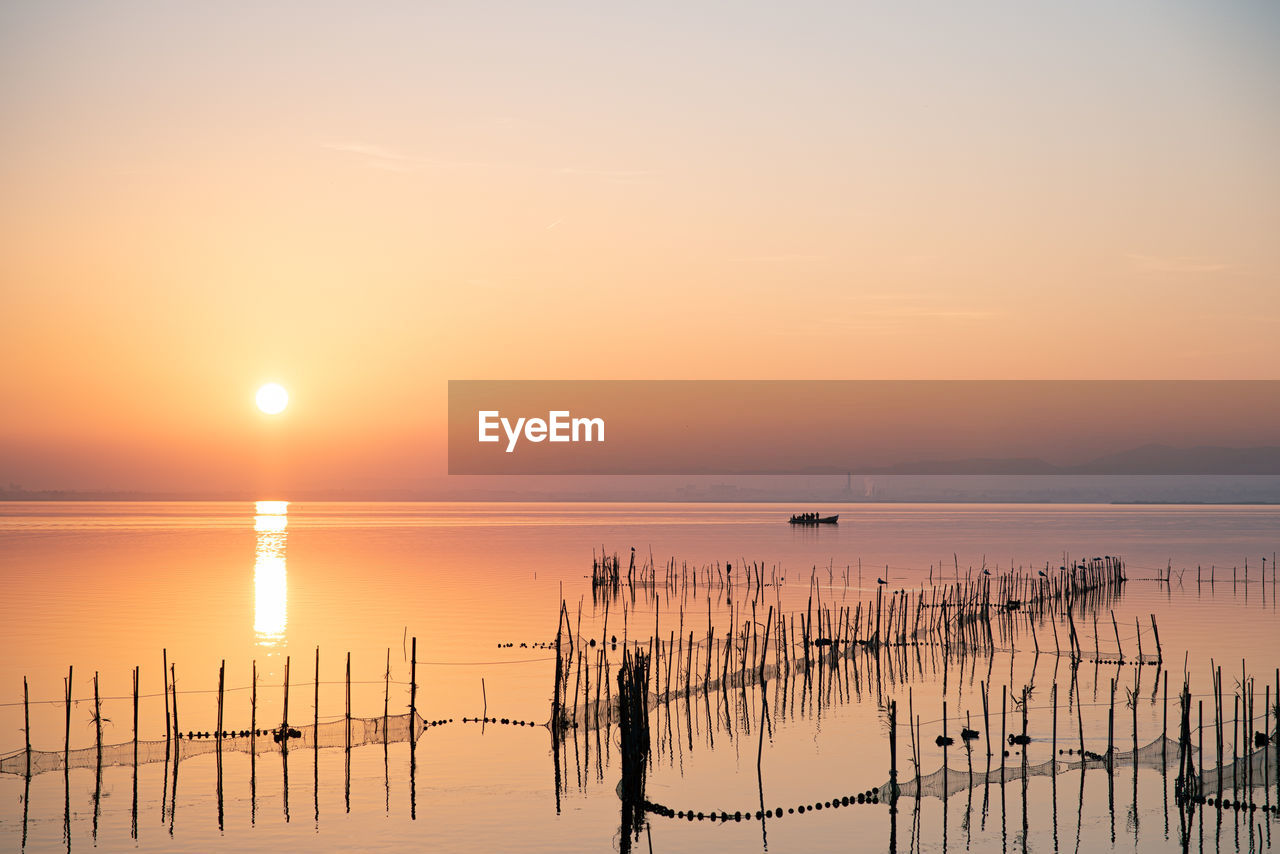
[(731, 427)]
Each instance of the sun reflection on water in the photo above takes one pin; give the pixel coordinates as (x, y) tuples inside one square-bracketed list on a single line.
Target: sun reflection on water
[(270, 577)]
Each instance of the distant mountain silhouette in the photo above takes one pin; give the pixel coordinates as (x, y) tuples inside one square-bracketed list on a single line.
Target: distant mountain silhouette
[(1204, 459), (1147, 459), (970, 466)]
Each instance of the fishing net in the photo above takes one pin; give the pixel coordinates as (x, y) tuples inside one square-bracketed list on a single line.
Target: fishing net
[(391, 729), (1253, 769), (946, 781)]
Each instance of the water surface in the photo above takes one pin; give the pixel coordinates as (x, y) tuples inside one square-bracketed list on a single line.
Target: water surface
[(103, 587)]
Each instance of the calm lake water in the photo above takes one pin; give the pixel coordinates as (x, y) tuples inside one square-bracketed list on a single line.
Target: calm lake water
[(105, 587)]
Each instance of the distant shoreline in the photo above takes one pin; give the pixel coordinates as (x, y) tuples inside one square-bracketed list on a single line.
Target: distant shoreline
[(807, 501)]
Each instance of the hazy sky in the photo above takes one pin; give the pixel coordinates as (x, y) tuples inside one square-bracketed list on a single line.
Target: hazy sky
[(362, 201)]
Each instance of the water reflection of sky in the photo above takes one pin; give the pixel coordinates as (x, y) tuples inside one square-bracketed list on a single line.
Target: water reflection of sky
[(270, 576)]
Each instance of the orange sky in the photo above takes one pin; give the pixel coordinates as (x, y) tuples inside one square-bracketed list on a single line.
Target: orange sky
[(364, 205)]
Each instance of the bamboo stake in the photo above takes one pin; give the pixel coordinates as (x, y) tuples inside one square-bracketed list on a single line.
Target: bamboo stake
[(893, 751), (1111, 727), (1053, 752), (1116, 626), (986, 723), (221, 682), (66, 744), (173, 683), (1080, 721), (1004, 694), (284, 722), (165, 673), (26, 723), (1164, 722)]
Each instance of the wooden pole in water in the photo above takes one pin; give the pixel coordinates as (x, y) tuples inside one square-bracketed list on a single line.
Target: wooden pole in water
[(1116, 626), (1111, 729), (1004, 695), (253, 711), (66, 744), (1135, 724), (1200, 707), (1080, 721), (348, 721), (221, 671), (986, 723), (1217, 720), (915, 753), (893, 750), (97, 721), (26, 723), (135, 712), (944, 737), (413, 687), (386, 698), (284, 723), (173, 683), (1235, 738), (316, 712), (1248, 730), (165, 674), (1053, 751), (555, 699), (1164, 722)]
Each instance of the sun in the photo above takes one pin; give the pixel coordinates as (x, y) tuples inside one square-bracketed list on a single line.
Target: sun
[(272, 398)]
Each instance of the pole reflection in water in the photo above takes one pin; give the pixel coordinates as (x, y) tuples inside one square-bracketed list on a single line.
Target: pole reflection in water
[(270, 577)]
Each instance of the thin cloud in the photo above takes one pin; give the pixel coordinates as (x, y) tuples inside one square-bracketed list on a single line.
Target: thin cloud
[(780, 258), (1176, 264), (925, 311), (616, 176), (374, 156)]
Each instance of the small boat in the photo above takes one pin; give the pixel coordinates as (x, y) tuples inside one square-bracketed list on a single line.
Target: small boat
[(812, 519)]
